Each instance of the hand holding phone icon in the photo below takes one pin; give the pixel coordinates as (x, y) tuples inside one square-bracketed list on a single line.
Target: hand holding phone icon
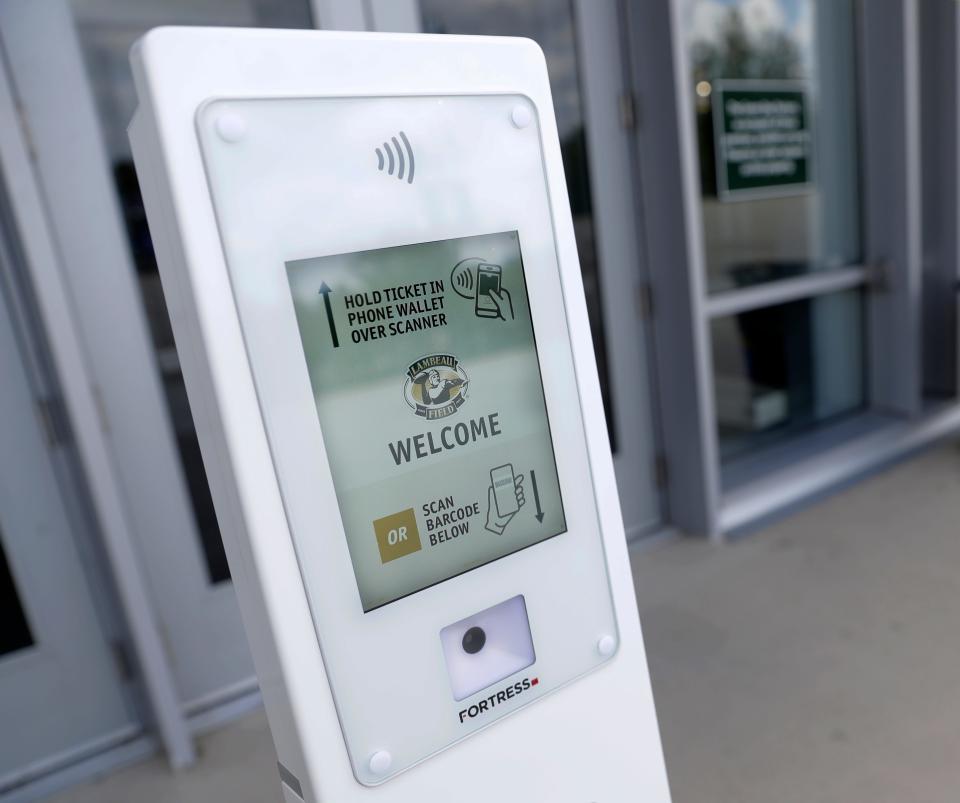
[(492, 300), (504, 498), (504, 304)]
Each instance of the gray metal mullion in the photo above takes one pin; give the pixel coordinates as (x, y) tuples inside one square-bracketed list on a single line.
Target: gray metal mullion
[(340, 15), (892, 204), (669, 191), (395, 16)]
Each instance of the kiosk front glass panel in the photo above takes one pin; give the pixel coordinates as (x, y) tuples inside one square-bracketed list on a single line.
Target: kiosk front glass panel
[(407, 337)]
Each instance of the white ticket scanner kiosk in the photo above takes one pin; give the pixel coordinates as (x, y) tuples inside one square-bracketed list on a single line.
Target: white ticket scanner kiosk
[(367, 252)]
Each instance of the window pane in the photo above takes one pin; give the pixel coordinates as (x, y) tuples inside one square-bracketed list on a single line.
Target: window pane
[(779, 371), (107, 29), (773, 83), (552, 25), (14, 630)]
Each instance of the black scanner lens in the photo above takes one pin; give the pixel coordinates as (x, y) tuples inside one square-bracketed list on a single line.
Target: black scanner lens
[(473, 640)]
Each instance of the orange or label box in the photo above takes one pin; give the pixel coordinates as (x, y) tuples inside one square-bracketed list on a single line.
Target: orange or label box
[(397, 535)]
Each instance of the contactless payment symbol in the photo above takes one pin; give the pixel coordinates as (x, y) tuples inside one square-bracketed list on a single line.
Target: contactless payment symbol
[(436, 386), (482, 283), (397, 535)]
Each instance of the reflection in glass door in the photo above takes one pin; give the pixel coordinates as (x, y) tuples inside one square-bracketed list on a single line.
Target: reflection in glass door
[(776, 133), (61, 697)]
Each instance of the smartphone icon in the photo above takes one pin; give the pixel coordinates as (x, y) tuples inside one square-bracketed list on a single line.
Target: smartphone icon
[(488, 278), (504, 490)]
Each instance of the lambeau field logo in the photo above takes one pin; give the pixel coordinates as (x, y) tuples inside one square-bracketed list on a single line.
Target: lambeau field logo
[(436, 386)]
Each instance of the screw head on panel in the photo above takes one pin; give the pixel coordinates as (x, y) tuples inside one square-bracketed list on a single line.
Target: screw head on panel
[(380, 762), (231, 127), (521, 116), (606, 645)]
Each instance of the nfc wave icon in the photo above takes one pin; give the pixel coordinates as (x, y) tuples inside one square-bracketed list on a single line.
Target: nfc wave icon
[(462, 278), (397, 157)]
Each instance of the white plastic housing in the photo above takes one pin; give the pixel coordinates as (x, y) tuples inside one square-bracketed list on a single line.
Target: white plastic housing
[(595, 739)]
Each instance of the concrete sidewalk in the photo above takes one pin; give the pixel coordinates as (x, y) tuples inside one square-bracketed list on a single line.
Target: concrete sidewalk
[(817, 661)]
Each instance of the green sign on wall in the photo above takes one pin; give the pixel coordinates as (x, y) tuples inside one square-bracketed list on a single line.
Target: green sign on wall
[(762, 139)]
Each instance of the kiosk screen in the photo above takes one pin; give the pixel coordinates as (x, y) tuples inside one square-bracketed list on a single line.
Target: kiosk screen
[(425, 376)]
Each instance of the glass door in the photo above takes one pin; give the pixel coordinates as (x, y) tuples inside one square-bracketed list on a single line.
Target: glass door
[(107, 29), (61, 695), (773, 86), (581, 42), (189, 567), (74, 55)]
